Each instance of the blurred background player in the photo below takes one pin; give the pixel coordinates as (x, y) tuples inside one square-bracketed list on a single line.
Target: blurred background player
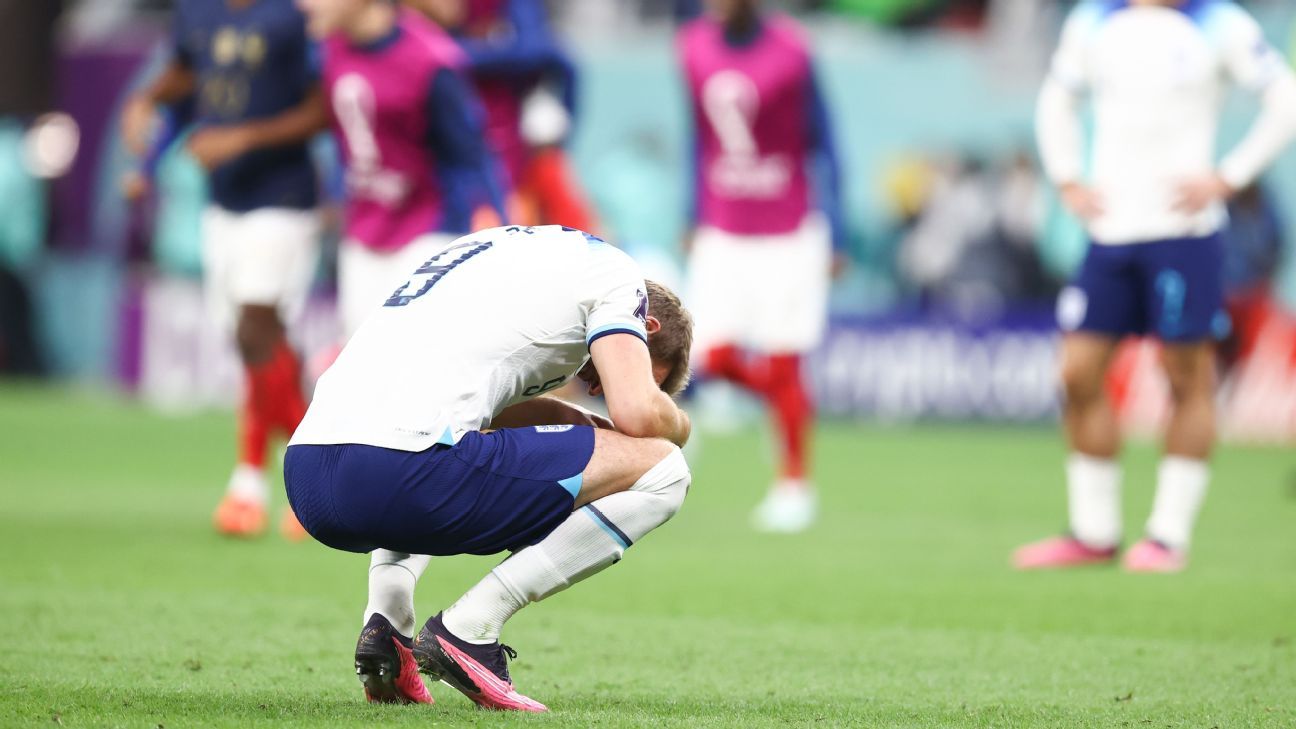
[(761, 255), (1153, 206), (247, 65), (410, 131), (527, 85)]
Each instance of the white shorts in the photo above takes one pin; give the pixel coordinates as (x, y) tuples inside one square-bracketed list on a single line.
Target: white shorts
[(768, 293), (264, 257), (366, 277)]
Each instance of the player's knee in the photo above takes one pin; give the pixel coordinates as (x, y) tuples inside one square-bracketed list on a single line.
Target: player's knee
[(1081, 382), (1189, 377), (257, 333), (668, 481)]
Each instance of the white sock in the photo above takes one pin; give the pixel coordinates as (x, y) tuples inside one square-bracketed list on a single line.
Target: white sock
[(1093, 500), (392, 577), (248, 483), (593, 538), (1181, 488)]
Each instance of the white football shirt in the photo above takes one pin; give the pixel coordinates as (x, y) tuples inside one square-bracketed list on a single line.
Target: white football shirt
[(1157, 78), (500, 316)]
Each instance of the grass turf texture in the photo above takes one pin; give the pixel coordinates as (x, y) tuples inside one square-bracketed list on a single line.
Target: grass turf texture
[(122, 608)]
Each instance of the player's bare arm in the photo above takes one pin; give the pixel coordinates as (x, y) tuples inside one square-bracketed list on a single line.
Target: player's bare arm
[(636, 404), (213, 146), (176, 82), (546, 410)]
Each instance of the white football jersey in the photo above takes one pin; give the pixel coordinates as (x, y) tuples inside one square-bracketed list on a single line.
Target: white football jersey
[(1157, 78), (500, 316)]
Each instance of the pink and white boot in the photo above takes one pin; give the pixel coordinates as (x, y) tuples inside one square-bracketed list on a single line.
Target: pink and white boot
[(1151, 556), (479, 672), (1060, 553)]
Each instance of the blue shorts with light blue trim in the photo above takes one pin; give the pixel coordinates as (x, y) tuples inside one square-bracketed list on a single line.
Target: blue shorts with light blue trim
[(488, 493), (1171, 289)]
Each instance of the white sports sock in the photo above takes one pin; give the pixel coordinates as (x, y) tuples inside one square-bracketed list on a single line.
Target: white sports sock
[(1181, 488), (392, 577), (248, 483), (1093, 500), (590, 540)]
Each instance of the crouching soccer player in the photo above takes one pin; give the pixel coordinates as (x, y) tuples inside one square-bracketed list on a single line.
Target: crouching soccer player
[(429, 436)]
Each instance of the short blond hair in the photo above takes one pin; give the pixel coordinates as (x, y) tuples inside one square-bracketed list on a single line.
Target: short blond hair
[(673, 343)]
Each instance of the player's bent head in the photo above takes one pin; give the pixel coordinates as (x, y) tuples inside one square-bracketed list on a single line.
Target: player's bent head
[(670, 337)]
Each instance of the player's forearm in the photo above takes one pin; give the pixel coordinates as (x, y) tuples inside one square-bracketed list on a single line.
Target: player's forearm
[(294, 126), (172, 128), (1272, 131), (174, 84), (1059, 133), (546, 411), (663, 419)]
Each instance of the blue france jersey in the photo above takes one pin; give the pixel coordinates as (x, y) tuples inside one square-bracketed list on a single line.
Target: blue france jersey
[(252, 62)]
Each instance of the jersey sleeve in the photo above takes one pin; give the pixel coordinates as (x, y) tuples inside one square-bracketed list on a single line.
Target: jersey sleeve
[(618, 299), (470, 171), (1070, 64), (1251, 61)]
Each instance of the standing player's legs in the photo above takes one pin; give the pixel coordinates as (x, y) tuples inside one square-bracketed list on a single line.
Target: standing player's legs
[(759, 302), (259, 268), (788, 317), (1186, 296), (629, 487), (1095, 311), (1093, 437)]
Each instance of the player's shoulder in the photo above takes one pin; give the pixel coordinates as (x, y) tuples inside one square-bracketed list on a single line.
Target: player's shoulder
[(787, 31), (433, 42), (1222, 19), (694, 34)]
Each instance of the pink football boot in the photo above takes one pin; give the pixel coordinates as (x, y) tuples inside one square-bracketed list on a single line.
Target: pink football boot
[(1060, 553), (479, 672), (385, 664), (1150, 555)]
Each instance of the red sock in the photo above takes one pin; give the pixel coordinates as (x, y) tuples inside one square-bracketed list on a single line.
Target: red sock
[(253, 433), (728, 363), (274, 391), (793, 412)]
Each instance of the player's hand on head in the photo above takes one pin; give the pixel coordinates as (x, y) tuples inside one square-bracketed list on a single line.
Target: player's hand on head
[(1196, 193), (138, 120), (1083, 201), (212, 147), (635, 400)]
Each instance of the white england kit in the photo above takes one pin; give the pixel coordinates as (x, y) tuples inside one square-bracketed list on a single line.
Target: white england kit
[(498, 317), (1157, 77)]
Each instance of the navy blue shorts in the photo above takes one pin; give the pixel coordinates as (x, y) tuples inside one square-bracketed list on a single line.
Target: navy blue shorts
[(488, 493), (1172, 289)]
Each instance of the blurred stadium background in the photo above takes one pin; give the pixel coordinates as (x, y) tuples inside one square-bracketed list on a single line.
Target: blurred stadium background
[(957, 249)]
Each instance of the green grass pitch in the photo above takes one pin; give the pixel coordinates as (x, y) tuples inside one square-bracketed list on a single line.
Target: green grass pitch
[(120, 607)]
